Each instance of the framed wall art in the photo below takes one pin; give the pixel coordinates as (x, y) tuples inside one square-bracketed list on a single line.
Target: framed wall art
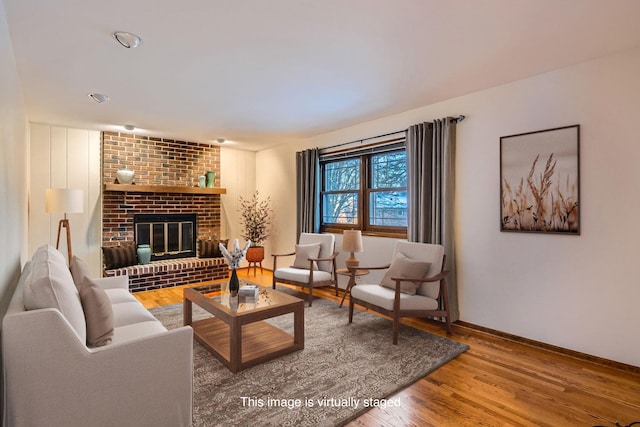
[(540, 181)]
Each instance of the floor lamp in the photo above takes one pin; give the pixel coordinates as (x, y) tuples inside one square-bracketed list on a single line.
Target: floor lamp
[(64, 200)]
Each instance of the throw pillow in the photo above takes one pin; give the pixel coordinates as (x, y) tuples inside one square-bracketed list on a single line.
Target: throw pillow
[(98, 313), (120, 256), (210, 248), (303, 253), (50, 285), (404, 267), (79, 270)]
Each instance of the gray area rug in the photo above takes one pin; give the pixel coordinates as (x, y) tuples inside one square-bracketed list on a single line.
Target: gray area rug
[(342, 369)]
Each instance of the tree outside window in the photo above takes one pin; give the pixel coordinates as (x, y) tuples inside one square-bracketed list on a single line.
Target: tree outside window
[(341, 182)]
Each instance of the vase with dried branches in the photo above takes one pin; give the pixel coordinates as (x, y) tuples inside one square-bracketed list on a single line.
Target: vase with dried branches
[(255, 216)]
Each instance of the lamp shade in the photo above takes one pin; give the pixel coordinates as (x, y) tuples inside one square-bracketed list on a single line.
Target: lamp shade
[(352, 241), (64, 200)]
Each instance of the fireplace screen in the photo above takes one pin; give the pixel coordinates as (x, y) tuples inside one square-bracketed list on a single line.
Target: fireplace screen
[(168, 235)]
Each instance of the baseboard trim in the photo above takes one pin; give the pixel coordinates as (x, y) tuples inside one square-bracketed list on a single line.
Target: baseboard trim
[(549, 347)]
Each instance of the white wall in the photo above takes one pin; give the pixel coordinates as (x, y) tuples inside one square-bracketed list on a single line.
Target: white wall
[(67, 158), (276, 178), (576, 292), (14, 169), (238, 176)]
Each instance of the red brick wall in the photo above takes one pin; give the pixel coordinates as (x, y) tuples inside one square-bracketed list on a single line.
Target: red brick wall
[(157, 161), (118, 210)]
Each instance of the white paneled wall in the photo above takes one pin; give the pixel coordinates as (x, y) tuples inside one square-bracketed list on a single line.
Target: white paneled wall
[(66, 158)]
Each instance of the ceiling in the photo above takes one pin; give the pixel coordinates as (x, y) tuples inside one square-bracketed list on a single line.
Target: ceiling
[(261, 73)]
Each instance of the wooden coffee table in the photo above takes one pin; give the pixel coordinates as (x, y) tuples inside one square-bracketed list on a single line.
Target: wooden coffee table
[(237, 334)]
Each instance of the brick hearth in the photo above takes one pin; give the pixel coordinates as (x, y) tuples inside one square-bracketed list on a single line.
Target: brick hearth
[(174, 272)]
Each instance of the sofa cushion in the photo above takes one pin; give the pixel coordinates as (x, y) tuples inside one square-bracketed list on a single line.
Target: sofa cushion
[(49, 284), (303, 253), (120, 256), (118, 295), (211, 248), (98, 313), (136, 331), (301, 275), (384, 297), (127, 313), (404, 267)]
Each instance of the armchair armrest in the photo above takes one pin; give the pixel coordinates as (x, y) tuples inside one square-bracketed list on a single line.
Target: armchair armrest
[(329, 258), (435, 278), (382, 267), (277, 255), (353, 270), (438, 277), (275, 262)]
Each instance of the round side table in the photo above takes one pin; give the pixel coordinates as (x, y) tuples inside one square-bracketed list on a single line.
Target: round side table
[(352, 279)]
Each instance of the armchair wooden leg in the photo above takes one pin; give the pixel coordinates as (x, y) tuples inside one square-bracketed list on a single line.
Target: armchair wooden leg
[(350, 310), (396, 326), (310, 295)]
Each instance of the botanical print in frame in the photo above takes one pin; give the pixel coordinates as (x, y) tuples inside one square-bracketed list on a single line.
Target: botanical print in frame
[(540, 181)]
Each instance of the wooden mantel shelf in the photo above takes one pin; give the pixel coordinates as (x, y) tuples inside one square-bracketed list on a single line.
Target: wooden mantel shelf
[(134, 188)]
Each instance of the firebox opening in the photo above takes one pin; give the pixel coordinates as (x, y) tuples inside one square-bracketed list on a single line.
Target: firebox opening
[(169, 235)]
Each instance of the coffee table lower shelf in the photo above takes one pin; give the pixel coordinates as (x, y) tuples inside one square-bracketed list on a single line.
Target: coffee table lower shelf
[(260, 342)]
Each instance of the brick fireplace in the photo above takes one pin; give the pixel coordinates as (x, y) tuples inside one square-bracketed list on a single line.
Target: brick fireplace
[(163, 163)]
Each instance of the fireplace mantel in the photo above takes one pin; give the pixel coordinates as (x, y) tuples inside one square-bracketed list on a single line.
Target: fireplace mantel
[(134, 188)]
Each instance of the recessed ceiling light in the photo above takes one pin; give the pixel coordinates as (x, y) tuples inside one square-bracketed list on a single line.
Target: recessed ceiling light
[(221, 140), (128, 40), (129, 127), (99, 98)]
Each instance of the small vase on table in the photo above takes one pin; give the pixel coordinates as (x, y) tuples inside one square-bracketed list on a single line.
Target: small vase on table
[(234, 258), (234, 283)]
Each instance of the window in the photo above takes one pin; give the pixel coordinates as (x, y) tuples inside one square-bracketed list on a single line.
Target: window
[(388, 192), (365, 190)]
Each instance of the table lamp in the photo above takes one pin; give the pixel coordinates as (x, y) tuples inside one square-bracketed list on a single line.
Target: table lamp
[(352, 242), (64, 200)]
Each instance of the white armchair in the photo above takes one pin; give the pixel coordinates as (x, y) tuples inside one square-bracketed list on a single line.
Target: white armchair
[(414, 286), (314, 265)]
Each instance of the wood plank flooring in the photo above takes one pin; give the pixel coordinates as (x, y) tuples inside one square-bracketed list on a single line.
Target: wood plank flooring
[(497, 382)]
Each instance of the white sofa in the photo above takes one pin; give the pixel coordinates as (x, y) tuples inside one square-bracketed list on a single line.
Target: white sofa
[(51, 377)]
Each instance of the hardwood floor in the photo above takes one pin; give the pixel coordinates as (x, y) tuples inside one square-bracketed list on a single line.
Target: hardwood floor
[(497, 382)]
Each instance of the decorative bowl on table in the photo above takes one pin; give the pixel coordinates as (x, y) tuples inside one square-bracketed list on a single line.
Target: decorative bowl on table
[(125, 176)]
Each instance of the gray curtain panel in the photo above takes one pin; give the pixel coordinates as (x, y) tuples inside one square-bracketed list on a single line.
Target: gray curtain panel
[(430, 188), (307, 169)]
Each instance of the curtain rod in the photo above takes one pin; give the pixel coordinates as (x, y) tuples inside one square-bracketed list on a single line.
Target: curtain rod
[(455, 120)]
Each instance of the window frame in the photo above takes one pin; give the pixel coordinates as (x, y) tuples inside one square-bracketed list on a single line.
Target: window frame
[(364, 193)]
